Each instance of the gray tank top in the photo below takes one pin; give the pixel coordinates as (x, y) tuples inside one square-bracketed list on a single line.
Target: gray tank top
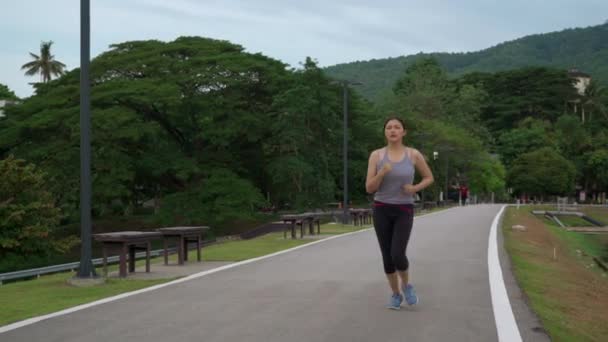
[(391, 188)]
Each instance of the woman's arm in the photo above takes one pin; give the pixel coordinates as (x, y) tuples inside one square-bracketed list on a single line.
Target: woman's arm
[(425, 172), (374, 178)]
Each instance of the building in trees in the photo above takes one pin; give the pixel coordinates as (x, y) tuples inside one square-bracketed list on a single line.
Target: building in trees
[(581, 81)]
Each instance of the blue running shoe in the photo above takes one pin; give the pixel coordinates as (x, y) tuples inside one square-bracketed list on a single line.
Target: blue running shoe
[(395, 302), (410, 295)]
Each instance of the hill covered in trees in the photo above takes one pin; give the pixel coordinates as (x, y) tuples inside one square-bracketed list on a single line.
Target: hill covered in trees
[(583, 48)]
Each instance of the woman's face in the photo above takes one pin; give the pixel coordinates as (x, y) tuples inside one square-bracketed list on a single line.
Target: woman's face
[(394, 131)]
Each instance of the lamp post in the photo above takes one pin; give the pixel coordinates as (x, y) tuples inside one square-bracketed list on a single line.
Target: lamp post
[(444, 150), (86, 269), (345, 84)]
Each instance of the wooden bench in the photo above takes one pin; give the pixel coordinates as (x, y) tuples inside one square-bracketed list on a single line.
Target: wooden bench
[(361, 216), (368, 215), (293, 220), (126, 243), (183, 235)]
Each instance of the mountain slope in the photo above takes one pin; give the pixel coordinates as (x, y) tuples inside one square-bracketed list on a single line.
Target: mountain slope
[(583, 48)]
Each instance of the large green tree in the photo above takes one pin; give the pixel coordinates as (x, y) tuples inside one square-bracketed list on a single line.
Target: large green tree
[(537, 92), (168, 117), (164, 115), (542, 172), (307, 132), (443, 116), (531, 135), (424, 88)]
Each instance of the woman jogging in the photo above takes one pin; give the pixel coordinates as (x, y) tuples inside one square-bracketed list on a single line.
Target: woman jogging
[(390, 175)]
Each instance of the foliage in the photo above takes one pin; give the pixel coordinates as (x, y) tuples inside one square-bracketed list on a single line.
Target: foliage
[(27, 212), (542, 172), (220, 198), (531, 135), (7, 94)]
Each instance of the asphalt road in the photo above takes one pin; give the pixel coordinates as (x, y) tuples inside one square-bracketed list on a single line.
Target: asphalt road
[(334, 291)]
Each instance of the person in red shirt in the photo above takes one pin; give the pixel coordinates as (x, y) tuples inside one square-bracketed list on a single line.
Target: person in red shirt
[(464, 194)]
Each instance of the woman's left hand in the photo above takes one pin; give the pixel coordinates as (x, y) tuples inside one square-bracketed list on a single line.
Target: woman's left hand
[(409, 189)]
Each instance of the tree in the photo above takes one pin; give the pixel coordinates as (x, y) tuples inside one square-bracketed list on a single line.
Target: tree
[(531, 134), (539, 93), (28, 213), (487, 175), (596, 165), (44, 64), (164, 116), (466, 107), (542, 172), (306, 128), (7, 94), (594, 101), (226, 196), (424, 89)]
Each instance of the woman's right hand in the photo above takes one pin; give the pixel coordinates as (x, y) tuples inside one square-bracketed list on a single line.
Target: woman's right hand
[(386, 168)]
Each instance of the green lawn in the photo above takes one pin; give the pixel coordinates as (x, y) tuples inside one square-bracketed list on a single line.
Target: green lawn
[(594, 245), (574, 221), (246, 249), (25, 299), (561, 291)]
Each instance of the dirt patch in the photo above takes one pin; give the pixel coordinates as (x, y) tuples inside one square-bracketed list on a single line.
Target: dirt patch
[(566, 294)]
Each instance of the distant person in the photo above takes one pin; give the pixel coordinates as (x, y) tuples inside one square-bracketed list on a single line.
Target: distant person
[(464, 194), (390, 175)]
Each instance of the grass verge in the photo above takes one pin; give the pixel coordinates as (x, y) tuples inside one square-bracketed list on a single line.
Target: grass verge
[(568, 294)]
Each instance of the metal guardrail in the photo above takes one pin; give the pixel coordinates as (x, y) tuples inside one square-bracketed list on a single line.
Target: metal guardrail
[(37, 272)]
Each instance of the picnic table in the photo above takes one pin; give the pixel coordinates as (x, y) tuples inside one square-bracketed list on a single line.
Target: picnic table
[(183, 235), (361, 216), (126, 243), (292, 220)]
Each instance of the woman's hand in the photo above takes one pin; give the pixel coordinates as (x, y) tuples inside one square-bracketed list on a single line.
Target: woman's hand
[(386, 168), (409, 189)]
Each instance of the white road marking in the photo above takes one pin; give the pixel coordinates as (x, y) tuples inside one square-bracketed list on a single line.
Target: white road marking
[(506, 326)]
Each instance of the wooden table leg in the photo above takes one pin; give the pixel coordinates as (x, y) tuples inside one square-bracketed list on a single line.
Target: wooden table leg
[(122, 268), (293, 229), (166, 250), (180, 250), (148, 248), (186, 248), (105, 260), (131, 258), (198, 247)]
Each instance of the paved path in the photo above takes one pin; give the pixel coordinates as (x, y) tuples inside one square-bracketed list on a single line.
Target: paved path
[(334, 291)]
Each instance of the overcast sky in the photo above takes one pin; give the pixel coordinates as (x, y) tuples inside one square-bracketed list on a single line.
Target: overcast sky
[(332, 32)]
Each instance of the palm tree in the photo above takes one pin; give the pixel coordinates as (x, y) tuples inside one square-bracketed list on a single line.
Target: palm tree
[(45, 64)]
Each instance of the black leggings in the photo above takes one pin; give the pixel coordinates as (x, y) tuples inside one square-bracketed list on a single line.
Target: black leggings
[(393, 225)]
